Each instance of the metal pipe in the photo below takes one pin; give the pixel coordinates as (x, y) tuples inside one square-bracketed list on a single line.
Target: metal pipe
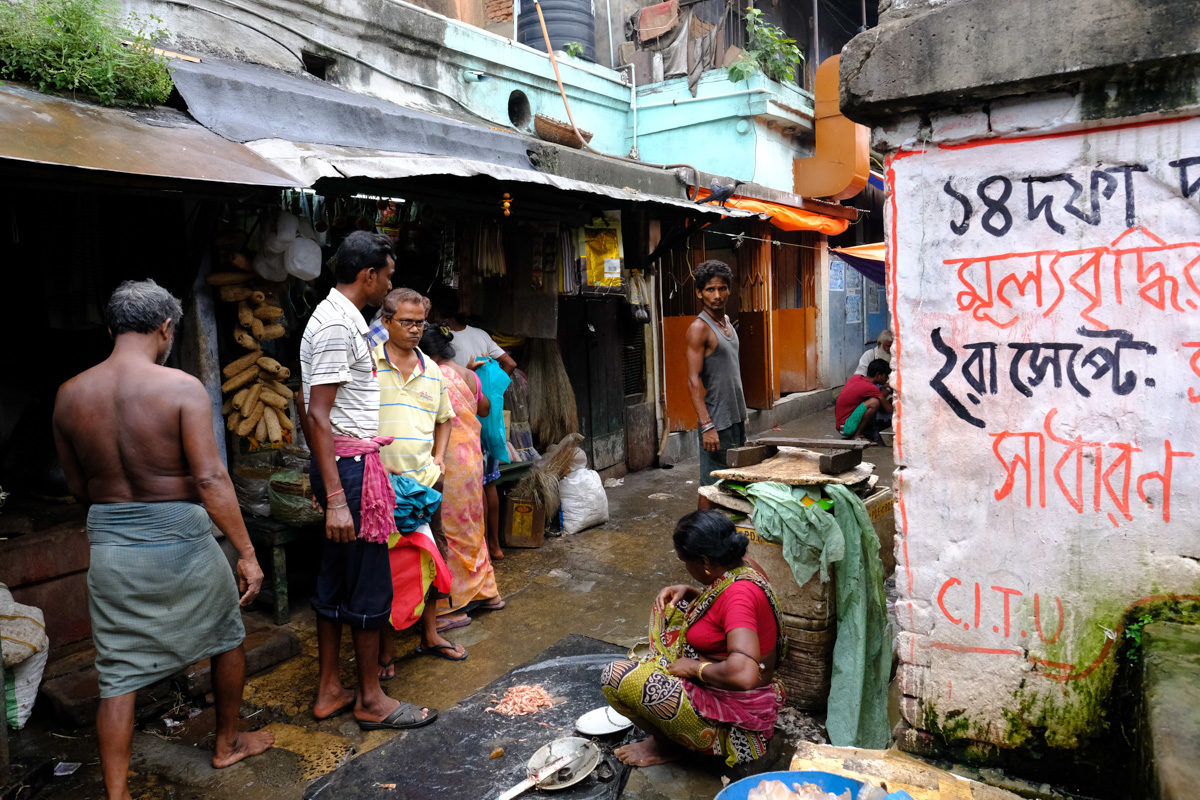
[(679, 102), (612, 55), (633, 104), (816, 53), (693, 188)]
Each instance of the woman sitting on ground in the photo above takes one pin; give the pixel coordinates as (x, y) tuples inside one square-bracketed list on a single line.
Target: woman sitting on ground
[(708, 684)]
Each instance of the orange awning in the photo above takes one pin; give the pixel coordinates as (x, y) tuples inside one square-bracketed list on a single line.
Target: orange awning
[(874, 251), (788, 218)]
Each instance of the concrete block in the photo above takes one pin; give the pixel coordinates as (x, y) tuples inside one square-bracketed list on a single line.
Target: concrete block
[(64, 601), (45, 554), (904, 131), (911, 679), (1035, 113), (973, 51), (949, 127), (910, 710), (73, 698), (911, 648), (265, 648)]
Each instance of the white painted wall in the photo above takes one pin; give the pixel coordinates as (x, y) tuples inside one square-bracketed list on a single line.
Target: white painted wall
[(1039, 503)]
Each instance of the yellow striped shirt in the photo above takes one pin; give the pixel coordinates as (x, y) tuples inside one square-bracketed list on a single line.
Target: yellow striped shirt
[(408, 411)]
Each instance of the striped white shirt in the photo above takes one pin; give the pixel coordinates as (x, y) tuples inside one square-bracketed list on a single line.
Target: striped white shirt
[(334, 351)]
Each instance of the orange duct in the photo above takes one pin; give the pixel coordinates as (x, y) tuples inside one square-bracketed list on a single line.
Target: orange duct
[(841, 165)]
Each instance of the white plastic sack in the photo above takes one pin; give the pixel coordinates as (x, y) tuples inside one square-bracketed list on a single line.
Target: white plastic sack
[(21, 688), (582, 500), (22, 630)]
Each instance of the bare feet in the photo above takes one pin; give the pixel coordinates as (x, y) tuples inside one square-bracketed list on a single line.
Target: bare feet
[(645, 753), (246, 744), (495, 553), (330, 705)]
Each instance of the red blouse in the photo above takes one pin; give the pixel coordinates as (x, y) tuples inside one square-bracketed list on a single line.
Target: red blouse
[(742, 605)]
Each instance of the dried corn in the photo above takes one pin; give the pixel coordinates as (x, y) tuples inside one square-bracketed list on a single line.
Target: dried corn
[(248, 360), (284, 422), (243, 337), (267, 313), (272, 399), (232, 294), (239, 380), (247, 425), (274, 431), (229, 278), (270, 332)]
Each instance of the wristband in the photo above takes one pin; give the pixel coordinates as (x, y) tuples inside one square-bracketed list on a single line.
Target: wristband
[(700, 670), (707, 427), (343, 505), (335, 494)]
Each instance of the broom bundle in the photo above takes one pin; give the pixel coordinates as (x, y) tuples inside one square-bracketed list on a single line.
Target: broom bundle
[(552, 412)]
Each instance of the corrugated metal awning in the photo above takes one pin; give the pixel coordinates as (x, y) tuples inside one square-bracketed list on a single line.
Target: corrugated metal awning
[(158, 142), (313, 162)]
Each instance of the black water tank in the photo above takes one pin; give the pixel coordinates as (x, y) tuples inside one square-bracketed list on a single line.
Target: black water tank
[(566, 21)]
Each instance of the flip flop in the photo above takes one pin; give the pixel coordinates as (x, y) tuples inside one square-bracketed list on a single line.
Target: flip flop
[(340, 710), (384, 665), (404, 717), (495, 604), (454, 623), (441, 651)]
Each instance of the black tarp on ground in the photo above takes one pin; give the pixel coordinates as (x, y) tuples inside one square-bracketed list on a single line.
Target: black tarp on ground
[(451, 757)]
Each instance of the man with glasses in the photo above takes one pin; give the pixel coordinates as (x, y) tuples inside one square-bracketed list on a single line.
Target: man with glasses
[(414, 409)]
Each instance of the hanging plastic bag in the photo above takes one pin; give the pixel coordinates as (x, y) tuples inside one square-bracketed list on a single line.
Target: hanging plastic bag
[(494, 381)]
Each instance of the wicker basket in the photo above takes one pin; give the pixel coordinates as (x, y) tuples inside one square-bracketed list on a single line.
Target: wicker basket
[(552, 130), (809, 622)]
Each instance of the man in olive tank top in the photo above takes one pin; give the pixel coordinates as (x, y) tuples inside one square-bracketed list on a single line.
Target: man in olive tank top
[(714, 375)]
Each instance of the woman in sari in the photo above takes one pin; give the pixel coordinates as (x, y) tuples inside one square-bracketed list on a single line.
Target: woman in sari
[(708, 684), (473, 581)]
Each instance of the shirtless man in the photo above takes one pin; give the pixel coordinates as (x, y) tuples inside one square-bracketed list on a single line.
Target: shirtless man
[(136, 442), (714, 374)]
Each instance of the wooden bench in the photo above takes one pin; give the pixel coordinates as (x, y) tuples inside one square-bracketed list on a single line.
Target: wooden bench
[(270, 533)]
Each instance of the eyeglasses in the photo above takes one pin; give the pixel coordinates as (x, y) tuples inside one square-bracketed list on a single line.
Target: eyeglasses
[(407, 323)]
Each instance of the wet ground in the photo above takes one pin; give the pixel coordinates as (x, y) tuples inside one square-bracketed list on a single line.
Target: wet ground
[(599, 583)]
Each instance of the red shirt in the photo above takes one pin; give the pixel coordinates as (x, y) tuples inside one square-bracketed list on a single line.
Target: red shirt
[(742, 605), (856, 390)]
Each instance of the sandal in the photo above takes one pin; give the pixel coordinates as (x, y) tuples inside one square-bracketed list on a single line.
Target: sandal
[(451, 624), (384, 665), (441, 651), (405, 716)]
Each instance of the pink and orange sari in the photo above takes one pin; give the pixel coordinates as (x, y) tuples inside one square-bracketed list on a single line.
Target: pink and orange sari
[(463, 518)]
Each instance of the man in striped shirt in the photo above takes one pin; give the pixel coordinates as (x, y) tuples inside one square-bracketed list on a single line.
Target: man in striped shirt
[(341, 395)]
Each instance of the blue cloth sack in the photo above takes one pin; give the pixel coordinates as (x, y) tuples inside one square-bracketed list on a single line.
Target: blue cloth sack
[(494, 381), (415, 503)]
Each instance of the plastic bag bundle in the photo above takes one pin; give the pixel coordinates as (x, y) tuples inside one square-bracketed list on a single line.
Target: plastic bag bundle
[(290, 498)]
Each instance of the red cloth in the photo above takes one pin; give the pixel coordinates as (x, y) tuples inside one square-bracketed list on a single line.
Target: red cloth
[(378, 517), (856, 390), (742, 605), (409, 586)]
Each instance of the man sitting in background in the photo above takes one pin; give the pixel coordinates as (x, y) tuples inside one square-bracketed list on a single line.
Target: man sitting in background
[(861, 401), (881, 350)]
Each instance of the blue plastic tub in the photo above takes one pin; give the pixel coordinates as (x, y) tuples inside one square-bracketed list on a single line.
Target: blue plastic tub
[(738, 790)]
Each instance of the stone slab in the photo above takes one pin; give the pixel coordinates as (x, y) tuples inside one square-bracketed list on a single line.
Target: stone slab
[(1170, 734), (955, 54)]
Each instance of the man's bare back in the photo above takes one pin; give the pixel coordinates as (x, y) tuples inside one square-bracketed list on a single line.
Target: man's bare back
[(124, 422)]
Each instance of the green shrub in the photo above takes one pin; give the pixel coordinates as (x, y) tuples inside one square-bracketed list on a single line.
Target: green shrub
[(767, 50), (75, 47), (573, 49)]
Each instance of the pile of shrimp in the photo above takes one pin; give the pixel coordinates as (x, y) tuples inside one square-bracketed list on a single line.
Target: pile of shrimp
[(523, 699)]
